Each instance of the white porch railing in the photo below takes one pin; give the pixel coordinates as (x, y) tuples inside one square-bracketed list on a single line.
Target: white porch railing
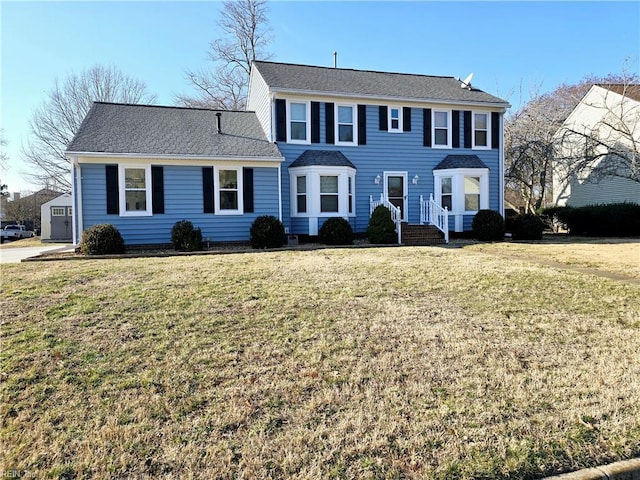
[(434, 214), (395, 212)]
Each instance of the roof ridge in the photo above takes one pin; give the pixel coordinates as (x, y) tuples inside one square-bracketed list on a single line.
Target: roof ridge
[(356, 69), (177, 107)]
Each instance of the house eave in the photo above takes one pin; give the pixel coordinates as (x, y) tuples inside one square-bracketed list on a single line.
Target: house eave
[(218, 158), (375, 99)]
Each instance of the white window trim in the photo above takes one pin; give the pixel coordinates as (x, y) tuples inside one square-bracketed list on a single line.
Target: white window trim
[(433, 128), (294, 194), (307, 103), (122, 193), (313, 174), (457, 188), (400, 116), (354, 109), (216, 189), (54, 214), (473, 131)]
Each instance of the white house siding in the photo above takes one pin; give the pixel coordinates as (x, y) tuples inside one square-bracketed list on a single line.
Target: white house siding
[(259, 101)]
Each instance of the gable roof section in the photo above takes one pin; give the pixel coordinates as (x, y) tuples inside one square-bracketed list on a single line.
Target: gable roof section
[(363, 83), (322, 158), (630, 91), (172, 131), (460, 161)]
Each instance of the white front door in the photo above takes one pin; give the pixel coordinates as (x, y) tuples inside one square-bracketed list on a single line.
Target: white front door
[(395, 189)]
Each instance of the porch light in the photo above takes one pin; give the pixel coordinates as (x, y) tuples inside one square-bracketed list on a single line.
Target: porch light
[(415, 180), (377, 180)]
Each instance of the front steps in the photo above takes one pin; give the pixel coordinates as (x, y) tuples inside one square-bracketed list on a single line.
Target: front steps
[(414, 235)]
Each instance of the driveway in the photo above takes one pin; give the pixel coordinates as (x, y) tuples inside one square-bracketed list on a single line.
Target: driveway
[(15, 255)]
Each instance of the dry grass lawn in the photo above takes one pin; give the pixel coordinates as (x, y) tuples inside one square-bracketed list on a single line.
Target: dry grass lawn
[(362, 363)]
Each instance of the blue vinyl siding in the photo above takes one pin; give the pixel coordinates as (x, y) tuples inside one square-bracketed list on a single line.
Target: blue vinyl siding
[(183, 200), (385, 151)]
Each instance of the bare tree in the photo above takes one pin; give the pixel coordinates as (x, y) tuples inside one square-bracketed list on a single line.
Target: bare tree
[(56, 121), (531, 143), (246, 36), (4, 160)]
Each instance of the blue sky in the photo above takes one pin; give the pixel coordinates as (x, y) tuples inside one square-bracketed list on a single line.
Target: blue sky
[(513, 48)]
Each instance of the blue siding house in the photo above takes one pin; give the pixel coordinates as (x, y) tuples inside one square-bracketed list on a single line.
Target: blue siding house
[(314, 143)]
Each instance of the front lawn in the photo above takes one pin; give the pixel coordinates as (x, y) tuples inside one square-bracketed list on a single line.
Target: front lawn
[(358, 363)]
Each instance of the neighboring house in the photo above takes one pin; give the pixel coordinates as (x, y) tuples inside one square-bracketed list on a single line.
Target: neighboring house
[(56, 219), (316, 143), (606, 125)]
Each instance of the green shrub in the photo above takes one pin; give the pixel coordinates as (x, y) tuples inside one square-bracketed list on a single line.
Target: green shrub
[(336, 231), (528, 227), (381, 228), (185, 238), (266, 232), (488, 226), (611, 220), (102, 239)]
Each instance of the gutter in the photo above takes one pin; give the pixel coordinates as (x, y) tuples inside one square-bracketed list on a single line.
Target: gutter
[(226, 158)]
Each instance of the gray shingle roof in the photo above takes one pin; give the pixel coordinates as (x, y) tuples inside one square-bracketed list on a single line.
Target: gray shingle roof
[(324, 158), (460, 161), (157, 130), (285, 76)]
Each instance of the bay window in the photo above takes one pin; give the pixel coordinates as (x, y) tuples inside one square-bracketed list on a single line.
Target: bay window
[(329, 193), (322, 191)]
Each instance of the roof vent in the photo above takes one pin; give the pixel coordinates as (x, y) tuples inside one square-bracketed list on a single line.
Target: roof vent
[(219, 122)]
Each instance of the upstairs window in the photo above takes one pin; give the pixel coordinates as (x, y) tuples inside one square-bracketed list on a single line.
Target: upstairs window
[(299, 125), (481, 130), (395, 119), (345, 124), (441, 129)]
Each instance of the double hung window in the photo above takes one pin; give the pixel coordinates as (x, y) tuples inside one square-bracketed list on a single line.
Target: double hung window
[(481, 130), (135, 190), (441, 129), (346, 124), (299, 125)]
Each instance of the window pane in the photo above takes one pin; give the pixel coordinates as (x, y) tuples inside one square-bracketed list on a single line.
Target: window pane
[(134, 178), (395, 124), (302, 204), (446, 185), (228, 200), (481, 138), (136, 201), (345, 114), (472, 185), (328, 203), (395, 113), (481, 121), (228, 179), (440, 119), (298, 131), (345, 133), (472, 201), (299, 112), (445, 201), (395, 186), (57, 211), (301, 184), (441, 137), (329, 184)]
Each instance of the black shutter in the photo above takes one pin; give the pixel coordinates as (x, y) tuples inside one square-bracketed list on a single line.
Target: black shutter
[(406, 119), (329, 123), (281, 120), (384, 122), (495, 130), (362, 124), (157, 189), (113, 203), (315, 122), (455, 125), (467, 129), (247, 193), (426, 127), (207, 189)]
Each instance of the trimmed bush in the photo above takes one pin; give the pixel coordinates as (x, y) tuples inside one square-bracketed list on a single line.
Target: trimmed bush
[(185, 238), (381, 228), (528, 227), (102, 239), (336, 231), (488, 226), (266, 232), (612, 220)]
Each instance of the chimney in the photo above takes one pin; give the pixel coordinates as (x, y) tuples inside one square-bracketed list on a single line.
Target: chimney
[(335, 59), (218, 115)]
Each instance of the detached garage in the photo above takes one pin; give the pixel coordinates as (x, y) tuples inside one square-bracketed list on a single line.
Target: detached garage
[(56, 220)]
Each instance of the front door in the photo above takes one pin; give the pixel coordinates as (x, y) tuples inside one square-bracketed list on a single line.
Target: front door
[(395, 187)]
